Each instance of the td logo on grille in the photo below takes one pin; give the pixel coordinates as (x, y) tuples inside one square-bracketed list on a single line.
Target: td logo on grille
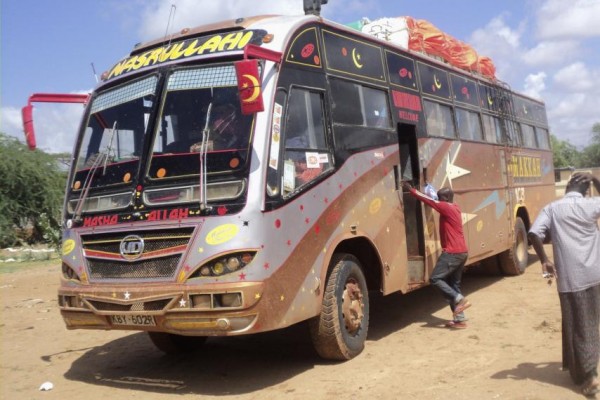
[(132, 247)]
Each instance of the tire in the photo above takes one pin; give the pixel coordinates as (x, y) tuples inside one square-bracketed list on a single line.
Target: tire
[(340, 331), (514, 260), (176, 344)]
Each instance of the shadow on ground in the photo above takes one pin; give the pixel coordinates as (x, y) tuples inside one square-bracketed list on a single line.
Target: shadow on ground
[(245, 364)]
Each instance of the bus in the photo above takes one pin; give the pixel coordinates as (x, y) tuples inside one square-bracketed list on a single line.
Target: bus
[(245, 176)]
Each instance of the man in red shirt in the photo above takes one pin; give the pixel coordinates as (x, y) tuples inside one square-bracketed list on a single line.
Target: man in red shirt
[(447, 273)]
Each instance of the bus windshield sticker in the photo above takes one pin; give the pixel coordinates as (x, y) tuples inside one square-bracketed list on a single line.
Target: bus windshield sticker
[(323, 158), (312, 160), (289, 172), (220, 43), (275, 136)]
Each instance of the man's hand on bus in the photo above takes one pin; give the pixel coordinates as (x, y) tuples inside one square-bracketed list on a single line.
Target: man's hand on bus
[(406, 186)]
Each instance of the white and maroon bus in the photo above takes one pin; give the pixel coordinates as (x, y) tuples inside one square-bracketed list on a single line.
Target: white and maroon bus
[(245, 176)]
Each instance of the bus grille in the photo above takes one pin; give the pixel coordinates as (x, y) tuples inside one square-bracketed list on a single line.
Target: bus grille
[(153, 305), (105, 262), (163, 267), (153, 240)]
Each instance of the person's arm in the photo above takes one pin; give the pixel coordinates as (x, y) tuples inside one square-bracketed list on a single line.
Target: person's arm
[(435, 204), (586, 177), (538, 246)]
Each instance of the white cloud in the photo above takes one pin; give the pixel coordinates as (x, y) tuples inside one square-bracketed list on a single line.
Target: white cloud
[(535, 84), (11, 122), (55, 125), (572, 115), (190, 13), (551, 52), (577, 18), (577, 77), (501, 43)]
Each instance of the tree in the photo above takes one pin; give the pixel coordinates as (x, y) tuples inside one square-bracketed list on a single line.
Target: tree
[(31, 194), (596, 133), (564, 153), (590, 156)]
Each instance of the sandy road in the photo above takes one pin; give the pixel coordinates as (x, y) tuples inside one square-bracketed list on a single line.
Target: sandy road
[(511, 350)]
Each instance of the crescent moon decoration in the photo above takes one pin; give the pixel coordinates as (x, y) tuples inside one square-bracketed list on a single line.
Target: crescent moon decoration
[(255, 86), (437, 83), (356, 58), (490, 101)]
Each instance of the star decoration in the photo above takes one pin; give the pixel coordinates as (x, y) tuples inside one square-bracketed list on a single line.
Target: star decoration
[(257, 296), (242, 276), (182, 302), (127, 295)]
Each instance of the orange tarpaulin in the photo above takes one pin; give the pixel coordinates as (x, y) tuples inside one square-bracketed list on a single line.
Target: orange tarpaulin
[(425, 37)]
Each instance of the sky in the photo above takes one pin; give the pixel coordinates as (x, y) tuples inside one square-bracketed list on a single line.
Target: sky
[(547, 49)]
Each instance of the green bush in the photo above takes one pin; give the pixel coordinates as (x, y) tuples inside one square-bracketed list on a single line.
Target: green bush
[(31, 195)]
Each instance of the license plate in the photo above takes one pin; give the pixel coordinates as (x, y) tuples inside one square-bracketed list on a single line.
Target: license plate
[(134, 320)]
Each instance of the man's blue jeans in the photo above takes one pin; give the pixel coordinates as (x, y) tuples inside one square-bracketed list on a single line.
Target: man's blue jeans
[(447, 274)]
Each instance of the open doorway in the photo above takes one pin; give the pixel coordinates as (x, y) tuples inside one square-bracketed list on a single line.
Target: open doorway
[(413, 217)]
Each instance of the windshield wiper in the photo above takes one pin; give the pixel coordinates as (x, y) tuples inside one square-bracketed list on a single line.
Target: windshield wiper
[(203, 153), (109, 148), (101, 159)]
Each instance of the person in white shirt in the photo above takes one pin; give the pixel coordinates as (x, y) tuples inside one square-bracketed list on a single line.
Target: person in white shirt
[(571, 223)]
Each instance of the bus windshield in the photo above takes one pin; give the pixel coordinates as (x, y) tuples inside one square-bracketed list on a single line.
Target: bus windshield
[(200, 103), (112, 143)]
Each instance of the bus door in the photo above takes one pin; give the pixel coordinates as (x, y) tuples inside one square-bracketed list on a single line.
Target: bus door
[(413, 220)]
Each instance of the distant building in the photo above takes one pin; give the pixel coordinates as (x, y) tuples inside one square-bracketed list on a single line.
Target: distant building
[(562, 176)]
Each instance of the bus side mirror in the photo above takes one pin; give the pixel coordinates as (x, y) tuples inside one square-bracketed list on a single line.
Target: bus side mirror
[(249, 87), (27, 115)]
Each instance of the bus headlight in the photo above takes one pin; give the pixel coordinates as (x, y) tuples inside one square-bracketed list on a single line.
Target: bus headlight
[(224, 265)]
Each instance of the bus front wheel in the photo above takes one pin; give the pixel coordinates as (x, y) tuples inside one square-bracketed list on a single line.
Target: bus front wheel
[(514, 260), (340, 331), (176, 344)]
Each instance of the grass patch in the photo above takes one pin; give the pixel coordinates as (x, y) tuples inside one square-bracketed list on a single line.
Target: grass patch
[(14, 266)]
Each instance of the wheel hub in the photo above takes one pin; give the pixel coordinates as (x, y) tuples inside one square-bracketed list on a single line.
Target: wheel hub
[(352, 306)]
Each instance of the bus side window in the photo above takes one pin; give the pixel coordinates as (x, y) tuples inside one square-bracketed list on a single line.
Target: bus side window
[(469, 125), (542, 138), (439, 120), (306, 155), (492, 129), (514, 133), (529, 139)]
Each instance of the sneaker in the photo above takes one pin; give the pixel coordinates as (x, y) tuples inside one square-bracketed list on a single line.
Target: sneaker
[(456, 324), (462, 306)]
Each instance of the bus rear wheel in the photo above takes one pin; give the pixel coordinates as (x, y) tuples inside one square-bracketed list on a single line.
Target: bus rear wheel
[(514, 260), (176, 344), (340, 331)]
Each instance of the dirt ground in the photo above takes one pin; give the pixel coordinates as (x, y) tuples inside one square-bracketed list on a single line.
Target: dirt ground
[(511, 350)]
